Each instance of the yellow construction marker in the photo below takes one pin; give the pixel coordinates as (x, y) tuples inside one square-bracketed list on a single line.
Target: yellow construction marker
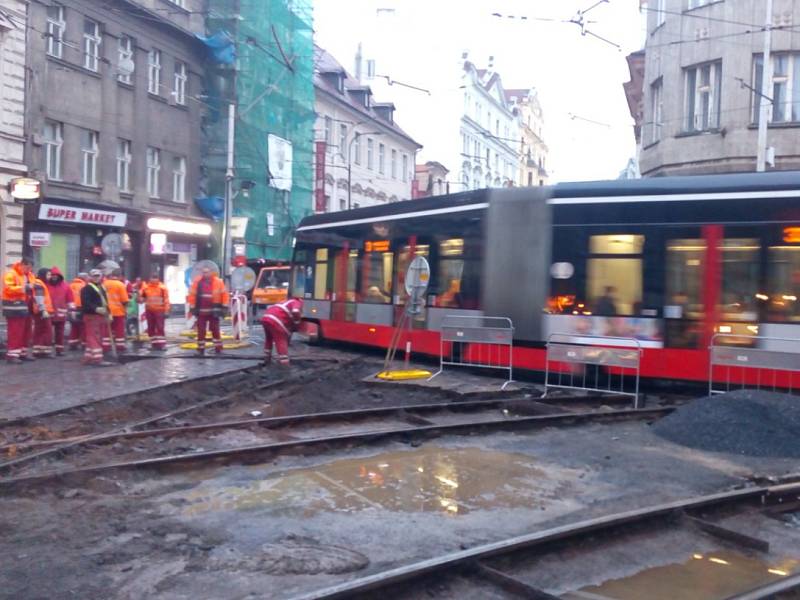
[(403, 375), (193, 334), (225, 346)]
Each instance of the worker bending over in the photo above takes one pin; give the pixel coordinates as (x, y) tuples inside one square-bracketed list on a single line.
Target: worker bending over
[(279, 322)]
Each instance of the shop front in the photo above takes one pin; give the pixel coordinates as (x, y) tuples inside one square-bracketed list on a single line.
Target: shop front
[(77, 237), (174, 246)]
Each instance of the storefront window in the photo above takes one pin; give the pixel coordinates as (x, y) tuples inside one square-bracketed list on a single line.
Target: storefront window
[(63, 251), (784, 284), (739, 279), (614, 285)]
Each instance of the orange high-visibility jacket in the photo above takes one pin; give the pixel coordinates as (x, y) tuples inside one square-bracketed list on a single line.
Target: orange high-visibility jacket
[(15, 299), (76, 285), (155, 297), (117, 297), (219, 295), (41, 297)]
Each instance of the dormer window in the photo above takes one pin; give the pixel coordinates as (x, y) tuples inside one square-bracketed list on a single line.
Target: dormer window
[(340, 83)]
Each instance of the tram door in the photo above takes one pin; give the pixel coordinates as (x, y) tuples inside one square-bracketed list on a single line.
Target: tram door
[(345, 271)]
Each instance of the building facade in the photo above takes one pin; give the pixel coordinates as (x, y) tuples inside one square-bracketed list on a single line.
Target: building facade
[(114, 133), (431, 180), (366, 157), (702, 88), (532, 165), (13, 24), (489, 132)]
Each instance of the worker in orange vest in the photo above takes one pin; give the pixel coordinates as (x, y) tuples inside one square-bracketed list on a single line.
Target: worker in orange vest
[(207, 301), (118, 299), (76, 323), (17, 302), (155, 297), (42, 316)]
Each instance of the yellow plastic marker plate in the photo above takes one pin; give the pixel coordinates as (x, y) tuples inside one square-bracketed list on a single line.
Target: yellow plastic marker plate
[(226, 345), (403, 375)]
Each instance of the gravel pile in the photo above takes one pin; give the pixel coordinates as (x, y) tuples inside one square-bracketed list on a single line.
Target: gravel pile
[(745, 422)]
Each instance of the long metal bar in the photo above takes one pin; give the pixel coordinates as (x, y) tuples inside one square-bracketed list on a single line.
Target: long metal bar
[(510, 584), (768, 591), (425, 430), (382, 580), (730, 535)]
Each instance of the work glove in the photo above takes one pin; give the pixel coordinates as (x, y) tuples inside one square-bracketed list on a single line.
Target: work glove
[(45, 314), (218, 312), (28, 288), (101, 310)]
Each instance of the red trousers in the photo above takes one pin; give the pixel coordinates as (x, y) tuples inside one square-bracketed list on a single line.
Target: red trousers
[(155, 329), (42, 336), (208, 322), (58, 334), (118, 330), (95, 329), (20, 331), (274, 333), (75, 335)]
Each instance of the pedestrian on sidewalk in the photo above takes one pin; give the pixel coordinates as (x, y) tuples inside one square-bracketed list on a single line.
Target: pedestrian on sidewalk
[(118, 298), (207, 301), (96, 318), (63, 304), (155, 297), (75, 322), (17, 302), (42, 313), (279, 322)]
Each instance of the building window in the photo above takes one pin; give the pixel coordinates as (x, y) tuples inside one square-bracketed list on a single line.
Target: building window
[(342, 204), (154, 71), (357, 149), (91, 44), (465, 144), (656, 108), (89, 157), (53, 142), (381, 159), (153, 169), (181, 3), (342, 138), (703, 86), (124, 55), (661, 15), (328, 125), (370, 154), (697, 3), (405, 167), (124, 165), (497, 127), (785, 87), (55, 30), (179, 84), (394, 164), (179, 179)]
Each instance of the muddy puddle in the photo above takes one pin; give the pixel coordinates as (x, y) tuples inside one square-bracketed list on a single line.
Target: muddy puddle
[(707, 576), (451, 481)]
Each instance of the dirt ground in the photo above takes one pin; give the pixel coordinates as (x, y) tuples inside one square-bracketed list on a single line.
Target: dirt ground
[(301, 523)]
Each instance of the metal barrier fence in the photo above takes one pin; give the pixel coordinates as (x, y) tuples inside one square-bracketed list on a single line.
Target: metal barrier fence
[(734, 367), (607, 358), (477, 341), (239, 316)]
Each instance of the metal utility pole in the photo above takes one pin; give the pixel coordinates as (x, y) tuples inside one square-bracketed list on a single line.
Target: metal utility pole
[(766, 83), (229, 176)]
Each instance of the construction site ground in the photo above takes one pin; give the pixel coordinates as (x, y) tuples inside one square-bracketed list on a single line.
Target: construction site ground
[(301, 521)]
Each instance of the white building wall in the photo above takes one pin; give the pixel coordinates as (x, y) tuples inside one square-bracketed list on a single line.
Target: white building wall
[(370, 187), (12, 125)]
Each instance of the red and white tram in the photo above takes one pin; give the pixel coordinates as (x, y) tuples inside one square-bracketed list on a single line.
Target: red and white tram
[(669, 261)]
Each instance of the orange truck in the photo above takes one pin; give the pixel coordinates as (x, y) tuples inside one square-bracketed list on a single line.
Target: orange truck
[(272, 286)]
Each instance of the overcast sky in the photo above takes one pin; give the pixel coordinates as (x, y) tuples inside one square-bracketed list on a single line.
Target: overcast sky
[(579, 78)]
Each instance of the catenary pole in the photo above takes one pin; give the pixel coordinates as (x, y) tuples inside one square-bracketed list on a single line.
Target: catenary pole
[(229, 176), (766, 81)]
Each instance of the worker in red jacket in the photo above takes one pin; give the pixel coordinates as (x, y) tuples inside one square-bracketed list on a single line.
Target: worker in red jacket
[(279, 322), (63, 301)]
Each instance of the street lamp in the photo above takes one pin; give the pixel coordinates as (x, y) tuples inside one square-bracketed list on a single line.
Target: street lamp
[(356, 135)]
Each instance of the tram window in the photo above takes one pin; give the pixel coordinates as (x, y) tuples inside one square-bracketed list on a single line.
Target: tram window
[(616, 244), (299, 271), (684, 279), (321, 274), (450, 273), (376, 277), (614, 285), (739, 279), (784, 283)]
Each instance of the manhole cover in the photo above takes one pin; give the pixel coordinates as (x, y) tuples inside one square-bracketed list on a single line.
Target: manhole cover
[(309, 558)]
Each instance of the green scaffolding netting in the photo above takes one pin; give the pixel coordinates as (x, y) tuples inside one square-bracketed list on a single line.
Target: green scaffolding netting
[(271, 85)]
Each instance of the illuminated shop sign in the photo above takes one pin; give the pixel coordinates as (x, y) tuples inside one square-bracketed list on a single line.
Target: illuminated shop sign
[(175, 226), (25, 190)]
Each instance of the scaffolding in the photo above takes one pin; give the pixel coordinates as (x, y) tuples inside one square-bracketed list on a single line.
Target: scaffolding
[(271, 84)]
